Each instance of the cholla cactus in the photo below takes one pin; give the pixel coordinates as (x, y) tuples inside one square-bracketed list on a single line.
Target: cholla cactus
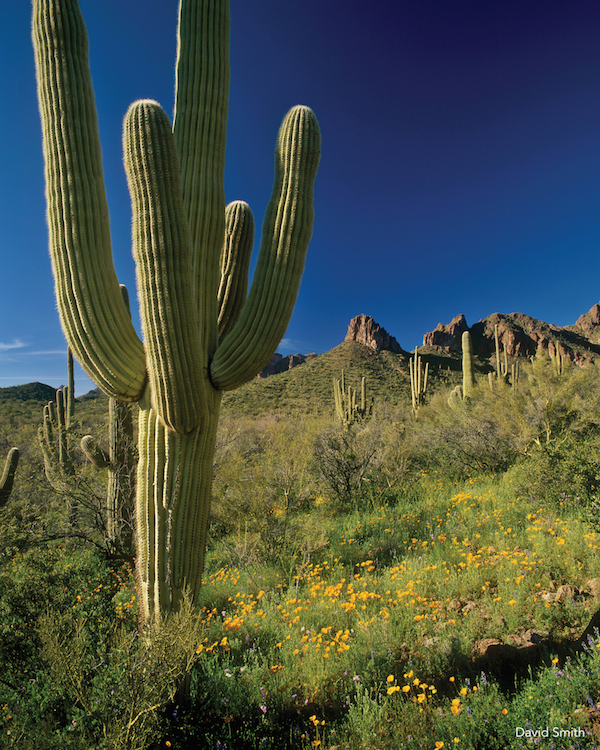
[(179, 371), (8, 475)]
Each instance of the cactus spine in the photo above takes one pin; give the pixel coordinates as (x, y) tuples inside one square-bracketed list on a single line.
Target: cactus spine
[(8, 475), (346, 406), (418, 380), (467, 365), (175, 179)]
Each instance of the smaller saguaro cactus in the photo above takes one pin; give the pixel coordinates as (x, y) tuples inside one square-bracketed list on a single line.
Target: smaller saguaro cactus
[(8, 475), (55, 448), (467, 365), (558, 363), (418, 380), (456, 397), (514, 374), (120, 459), (346, 406), (501, 367)]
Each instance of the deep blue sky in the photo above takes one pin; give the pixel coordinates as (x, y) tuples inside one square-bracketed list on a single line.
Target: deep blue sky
[(460, 167)]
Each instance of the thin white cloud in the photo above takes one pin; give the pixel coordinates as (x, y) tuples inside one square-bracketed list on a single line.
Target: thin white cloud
[(16, 344), (290, 346)]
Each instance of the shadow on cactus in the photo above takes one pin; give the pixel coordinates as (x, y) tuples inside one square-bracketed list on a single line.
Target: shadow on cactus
[(202, 334)]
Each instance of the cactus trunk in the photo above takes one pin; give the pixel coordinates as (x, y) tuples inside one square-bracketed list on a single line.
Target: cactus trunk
[(174, 479)]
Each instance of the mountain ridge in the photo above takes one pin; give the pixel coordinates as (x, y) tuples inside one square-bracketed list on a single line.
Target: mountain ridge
[(369, 346)]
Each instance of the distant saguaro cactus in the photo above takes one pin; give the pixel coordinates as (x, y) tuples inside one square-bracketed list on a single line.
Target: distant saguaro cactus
[(175, 176), (120, 460), (347, 408), (418, 380), (54, 441), (8, 475), (467, 365)]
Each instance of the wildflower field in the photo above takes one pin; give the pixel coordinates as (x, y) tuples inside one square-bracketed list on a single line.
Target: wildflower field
[(428, 608)]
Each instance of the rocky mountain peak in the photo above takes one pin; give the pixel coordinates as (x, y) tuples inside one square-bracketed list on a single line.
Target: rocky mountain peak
[(447, 337), (589, 323), (521, 335), (364, 330)]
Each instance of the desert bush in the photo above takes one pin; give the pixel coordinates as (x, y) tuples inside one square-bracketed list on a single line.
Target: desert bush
[(475, 437), (344, 457), (565, 472), (500, 424), (262, 487)]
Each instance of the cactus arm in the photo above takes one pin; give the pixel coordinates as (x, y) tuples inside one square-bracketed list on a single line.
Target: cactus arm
[(235, 261), (94, 453), (200, 129), (163, 256), (8, 475), (92, 313), (286, 233)]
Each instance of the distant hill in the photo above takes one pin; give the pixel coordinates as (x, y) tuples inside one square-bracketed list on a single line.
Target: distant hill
[(28, 392), (369, 350), (308, 388), (306, 382)]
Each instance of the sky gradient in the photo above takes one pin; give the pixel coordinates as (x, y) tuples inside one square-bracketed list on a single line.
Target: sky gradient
[(460, 167)]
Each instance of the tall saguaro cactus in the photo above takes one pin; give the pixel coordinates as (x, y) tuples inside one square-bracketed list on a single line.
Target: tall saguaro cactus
[(175, 176), (467, 365)]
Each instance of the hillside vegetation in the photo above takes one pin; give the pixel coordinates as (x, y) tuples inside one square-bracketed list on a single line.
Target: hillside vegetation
[(412, 580)]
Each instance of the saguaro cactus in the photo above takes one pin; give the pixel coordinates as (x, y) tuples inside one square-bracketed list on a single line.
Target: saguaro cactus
[(418, 380), (467, 365), (54, 442), (346, 406), (175, 179), (120, 460), (8, 475)]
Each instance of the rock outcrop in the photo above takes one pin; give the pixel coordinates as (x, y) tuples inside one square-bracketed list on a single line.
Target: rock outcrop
[(364, 330), (589, 324), (523, 336), (279, 363), (447, 337)]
